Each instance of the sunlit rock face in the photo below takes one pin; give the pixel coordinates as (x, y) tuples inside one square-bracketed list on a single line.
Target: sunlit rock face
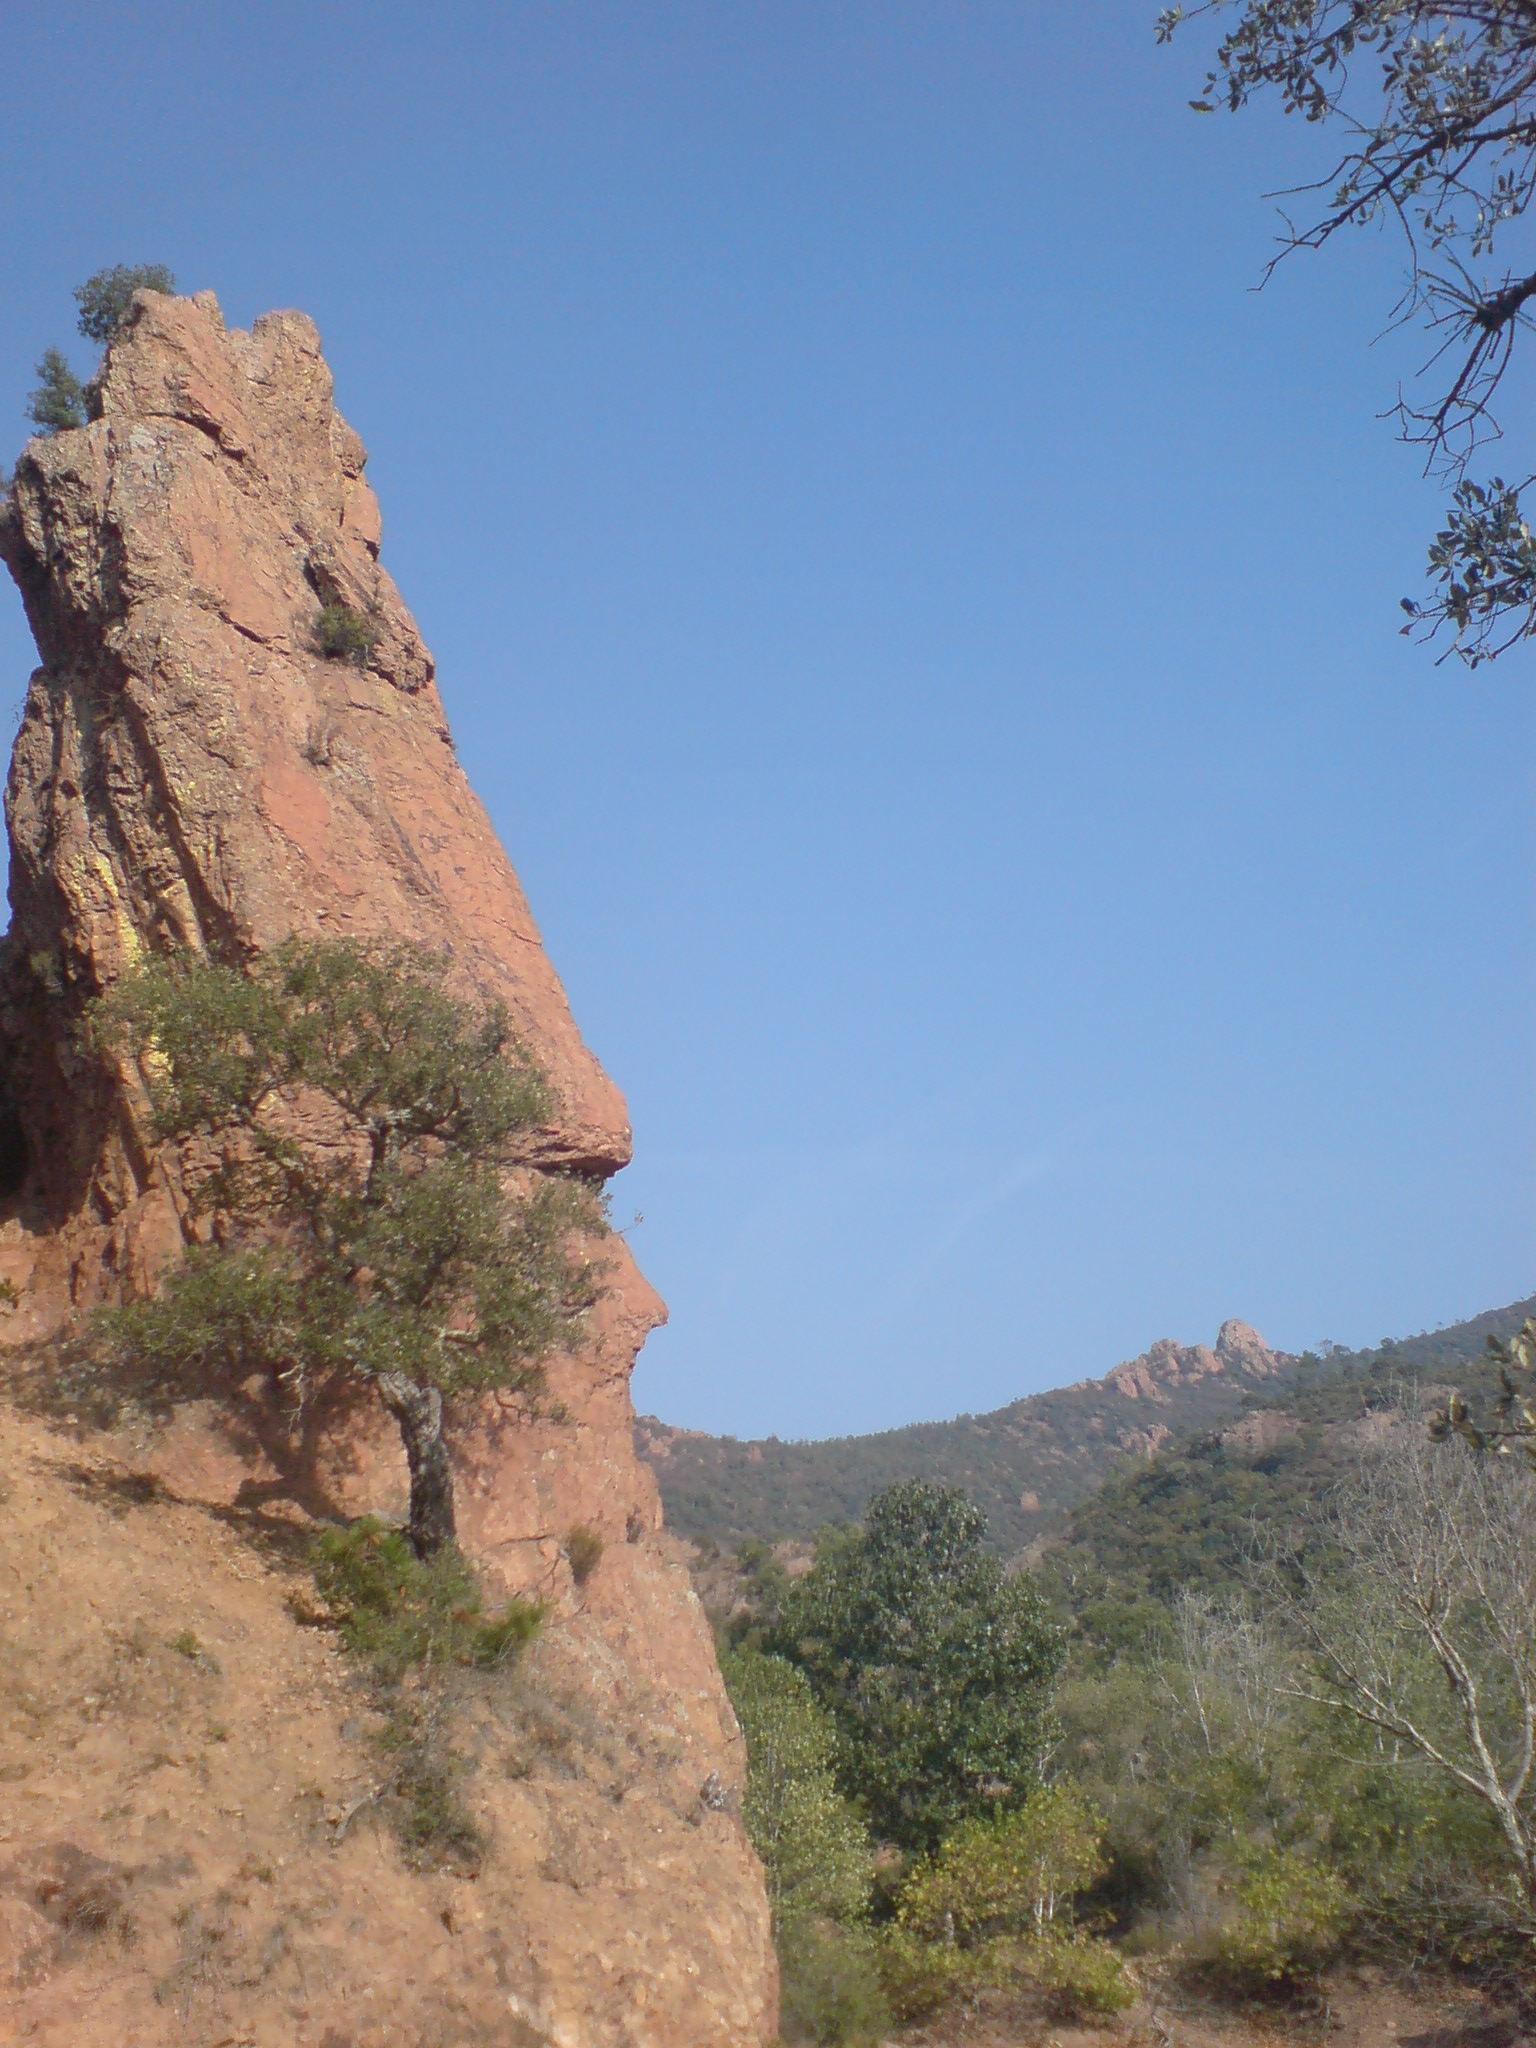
[(191, 772)]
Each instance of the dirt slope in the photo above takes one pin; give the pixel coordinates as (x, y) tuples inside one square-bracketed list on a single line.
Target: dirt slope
[(183, 1858)]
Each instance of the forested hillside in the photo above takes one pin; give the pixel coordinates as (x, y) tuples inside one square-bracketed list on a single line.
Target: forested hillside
[(1213, 1711), (1026, 1464), (1185, 1519)]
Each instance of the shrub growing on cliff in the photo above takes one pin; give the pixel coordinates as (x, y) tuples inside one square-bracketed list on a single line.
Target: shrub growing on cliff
[(399, 1610), (58, 403), (105, 296), (936, 1666), (350, 1126), (342, 634), (584, 1550)]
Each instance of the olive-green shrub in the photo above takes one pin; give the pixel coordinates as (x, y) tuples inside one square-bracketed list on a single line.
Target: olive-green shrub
[(993, 1905), (342, 634), (1291, 1910)]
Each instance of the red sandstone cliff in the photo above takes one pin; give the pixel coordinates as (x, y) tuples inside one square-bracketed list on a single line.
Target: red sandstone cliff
[(189, 773)]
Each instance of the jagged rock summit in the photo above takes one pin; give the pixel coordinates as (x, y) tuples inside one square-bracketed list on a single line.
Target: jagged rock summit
[(1240, 1353), (191, 773)]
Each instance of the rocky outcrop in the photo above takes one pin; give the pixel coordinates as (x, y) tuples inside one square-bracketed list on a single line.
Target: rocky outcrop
[(1240, 1354), (191, 773)]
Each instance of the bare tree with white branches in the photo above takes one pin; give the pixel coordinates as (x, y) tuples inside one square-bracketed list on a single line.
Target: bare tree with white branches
[(1413, 1596), (1220, 1681)]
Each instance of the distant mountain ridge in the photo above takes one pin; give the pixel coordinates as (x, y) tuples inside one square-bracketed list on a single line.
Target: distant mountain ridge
[(1023, 1464), (1029, 1463)]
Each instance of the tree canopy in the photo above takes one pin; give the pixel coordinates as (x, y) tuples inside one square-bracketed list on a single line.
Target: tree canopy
[(105, 296), (936, 1665), (345, 1127), (1436, 107)]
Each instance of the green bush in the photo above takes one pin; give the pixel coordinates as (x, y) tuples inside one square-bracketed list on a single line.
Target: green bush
[(105, 297), (342, 634), (1008, 1875), (814, 1848), (1077, 1973), (432, 1823), (830, 1988), (403, 1614), (584, 1549), (921, 1976), (1080, 1973), (936, 1665), (58, 403), (993, 1905), (399, 1610), (1291, 1912)]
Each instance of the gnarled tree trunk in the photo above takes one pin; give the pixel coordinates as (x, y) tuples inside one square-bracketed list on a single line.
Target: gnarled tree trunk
[(419, 1412)]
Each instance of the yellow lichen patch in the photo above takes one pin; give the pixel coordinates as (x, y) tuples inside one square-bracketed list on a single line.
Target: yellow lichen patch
[(130, 945)]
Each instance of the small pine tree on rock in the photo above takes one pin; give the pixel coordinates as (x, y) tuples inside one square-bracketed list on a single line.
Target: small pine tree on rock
[(58, 403)]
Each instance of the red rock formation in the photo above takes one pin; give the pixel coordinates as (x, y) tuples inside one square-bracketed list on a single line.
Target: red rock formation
[(191, 773), (1240, 1351)]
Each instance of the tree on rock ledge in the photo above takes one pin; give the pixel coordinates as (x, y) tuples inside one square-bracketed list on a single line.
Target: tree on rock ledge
[(345, 1132)]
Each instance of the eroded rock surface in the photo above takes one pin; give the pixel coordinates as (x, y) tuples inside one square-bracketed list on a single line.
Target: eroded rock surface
[(189, 772)]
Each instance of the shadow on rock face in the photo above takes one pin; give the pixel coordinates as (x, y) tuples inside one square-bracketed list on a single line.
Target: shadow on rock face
[(15, 1156)]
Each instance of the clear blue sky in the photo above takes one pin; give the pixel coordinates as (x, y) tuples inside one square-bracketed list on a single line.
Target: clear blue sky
[(924, 628)]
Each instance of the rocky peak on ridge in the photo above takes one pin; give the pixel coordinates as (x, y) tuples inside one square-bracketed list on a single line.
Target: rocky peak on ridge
[(1240, 1353), (1022, 1464)]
